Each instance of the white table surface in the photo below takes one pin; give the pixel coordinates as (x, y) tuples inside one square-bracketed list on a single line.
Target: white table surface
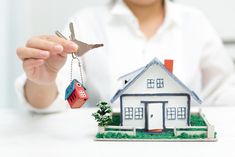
[(71, 134)]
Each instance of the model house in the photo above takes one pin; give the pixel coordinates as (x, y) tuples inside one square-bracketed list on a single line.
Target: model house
[(154, 99), (76, 94)]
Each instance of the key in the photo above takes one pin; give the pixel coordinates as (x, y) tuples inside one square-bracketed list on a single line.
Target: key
[(72, 36), (60, 35), (82, 47)]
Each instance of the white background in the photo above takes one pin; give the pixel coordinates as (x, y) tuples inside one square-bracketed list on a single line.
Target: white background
[(71, 134), (219, 12), (21, 19)]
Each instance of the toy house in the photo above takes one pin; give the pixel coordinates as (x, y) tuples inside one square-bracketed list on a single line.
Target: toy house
[(154, 99), (76, 94)]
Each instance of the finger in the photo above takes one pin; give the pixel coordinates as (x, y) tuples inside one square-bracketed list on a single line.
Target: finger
[(39, 43), (29, 64), (68, 45), (26, 53)]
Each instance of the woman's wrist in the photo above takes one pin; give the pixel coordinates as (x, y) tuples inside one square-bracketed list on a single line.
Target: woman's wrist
[(40, 95)]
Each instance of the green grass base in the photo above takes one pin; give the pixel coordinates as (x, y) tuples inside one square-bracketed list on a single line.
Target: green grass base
[(144, 135), (195, 120)]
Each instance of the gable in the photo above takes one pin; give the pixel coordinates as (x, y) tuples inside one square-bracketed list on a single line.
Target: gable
[(161, 81), (178, 86)]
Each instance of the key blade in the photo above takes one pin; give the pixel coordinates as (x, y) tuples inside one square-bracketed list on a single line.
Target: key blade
[(60, 35), (84, 47), (96, 46), (72, 31)]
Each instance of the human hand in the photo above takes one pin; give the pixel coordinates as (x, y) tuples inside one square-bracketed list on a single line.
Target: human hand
[(43, 57)]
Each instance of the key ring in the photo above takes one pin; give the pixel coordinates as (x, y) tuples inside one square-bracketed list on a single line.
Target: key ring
[(80, 70), (74, 55)]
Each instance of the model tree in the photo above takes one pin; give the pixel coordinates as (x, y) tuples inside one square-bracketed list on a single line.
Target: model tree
[(103, 115)]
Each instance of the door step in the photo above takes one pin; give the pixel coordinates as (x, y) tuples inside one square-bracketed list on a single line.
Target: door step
[(155, 130)]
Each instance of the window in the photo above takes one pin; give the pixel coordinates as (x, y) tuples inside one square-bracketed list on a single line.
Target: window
[(72, 98), (171, 113), (181, 112), (150, 83), (160, 83), (82, 93), (128, 111), (126, 81), (139, 112)]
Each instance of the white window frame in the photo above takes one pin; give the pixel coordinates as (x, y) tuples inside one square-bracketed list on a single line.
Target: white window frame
[(181, 113), (128, 113), (150, 83), (160, 83), (82, 93), (139, 113), (171, 113)]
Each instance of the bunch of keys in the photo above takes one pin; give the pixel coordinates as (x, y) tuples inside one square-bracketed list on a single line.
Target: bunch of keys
[(75, 93)]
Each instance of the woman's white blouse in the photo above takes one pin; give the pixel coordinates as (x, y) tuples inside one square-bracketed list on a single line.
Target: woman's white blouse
[(186, 36)]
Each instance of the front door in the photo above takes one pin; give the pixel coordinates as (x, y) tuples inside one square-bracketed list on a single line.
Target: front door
[(155, 116)]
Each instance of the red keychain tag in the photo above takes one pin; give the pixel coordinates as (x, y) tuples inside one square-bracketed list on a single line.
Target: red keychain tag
[(76, 94)]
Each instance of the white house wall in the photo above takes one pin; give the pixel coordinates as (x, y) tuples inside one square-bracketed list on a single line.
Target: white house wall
[(155, 72), (135, 101)]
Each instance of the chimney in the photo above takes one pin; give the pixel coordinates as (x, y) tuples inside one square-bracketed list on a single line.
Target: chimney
[(168, 63)]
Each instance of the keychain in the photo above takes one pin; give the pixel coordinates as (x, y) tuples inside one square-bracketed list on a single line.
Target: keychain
[(75, 93)]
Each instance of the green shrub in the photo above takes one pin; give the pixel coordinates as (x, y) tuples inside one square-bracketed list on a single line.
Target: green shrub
[(115, 119), (195, 136), (203, 136), (215, 134), (103, 114), (197, 120), (183, 136), (99, 135), (113, 135), (109, 135), (164, 135), (143, 135)]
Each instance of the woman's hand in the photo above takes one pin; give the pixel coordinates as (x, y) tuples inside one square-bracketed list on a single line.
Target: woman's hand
[(44, 56)]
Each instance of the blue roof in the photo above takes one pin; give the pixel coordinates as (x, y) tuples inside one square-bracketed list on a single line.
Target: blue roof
[(155, 61), (71, 87)]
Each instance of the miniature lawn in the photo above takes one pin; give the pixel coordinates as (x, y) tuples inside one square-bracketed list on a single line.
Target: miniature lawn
[(195, 120)]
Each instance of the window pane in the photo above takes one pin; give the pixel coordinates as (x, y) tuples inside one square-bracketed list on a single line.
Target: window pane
[(181, 112), (150, 83), (82, 93), (171, 113), (139, 112), (128, 113), (160, 83)]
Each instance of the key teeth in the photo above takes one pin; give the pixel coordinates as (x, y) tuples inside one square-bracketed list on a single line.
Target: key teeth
[(96, 46)]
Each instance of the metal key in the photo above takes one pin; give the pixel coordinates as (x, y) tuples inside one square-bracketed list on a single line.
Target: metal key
[(60, 35), (82, 47), (72, 36)]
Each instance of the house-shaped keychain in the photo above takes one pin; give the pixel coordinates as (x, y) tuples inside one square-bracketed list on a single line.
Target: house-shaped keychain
[(76, 94)]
